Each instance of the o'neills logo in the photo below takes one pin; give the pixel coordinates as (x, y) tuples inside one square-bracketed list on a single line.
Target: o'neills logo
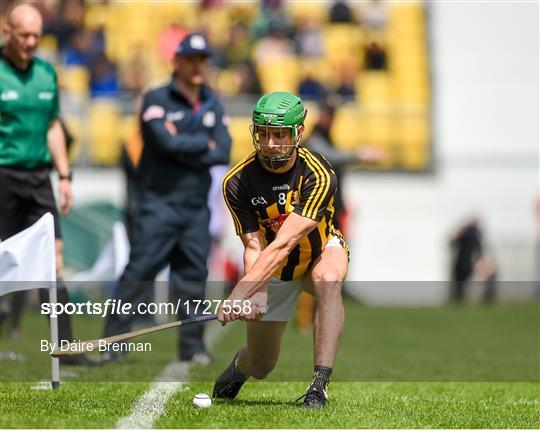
[(272, 223), (281, 187)]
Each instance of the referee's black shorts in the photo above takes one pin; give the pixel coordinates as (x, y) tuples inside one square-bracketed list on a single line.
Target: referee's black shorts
[(25, 196)]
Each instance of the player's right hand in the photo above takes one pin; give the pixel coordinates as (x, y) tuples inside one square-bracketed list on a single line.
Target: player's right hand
[(242, 309), (257, 306)]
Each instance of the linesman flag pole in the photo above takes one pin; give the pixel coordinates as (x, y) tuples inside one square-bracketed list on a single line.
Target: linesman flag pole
[(28, 261)]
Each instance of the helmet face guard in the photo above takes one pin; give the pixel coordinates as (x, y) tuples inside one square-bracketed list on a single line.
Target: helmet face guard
[(284, 140), (277, 119)]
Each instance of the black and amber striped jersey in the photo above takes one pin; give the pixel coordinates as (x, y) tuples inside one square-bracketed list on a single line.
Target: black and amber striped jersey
[(260, 200)]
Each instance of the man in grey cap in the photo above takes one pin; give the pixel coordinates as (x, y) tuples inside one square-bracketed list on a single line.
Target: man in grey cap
[(184, 131)]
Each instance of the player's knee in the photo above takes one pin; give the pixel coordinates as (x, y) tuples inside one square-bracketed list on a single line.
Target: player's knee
[(327, 284), (260, 371)]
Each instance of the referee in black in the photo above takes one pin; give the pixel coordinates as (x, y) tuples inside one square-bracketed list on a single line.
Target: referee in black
[(31, 140)]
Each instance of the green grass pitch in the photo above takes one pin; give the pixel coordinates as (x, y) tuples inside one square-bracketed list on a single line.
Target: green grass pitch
[(451, 367)]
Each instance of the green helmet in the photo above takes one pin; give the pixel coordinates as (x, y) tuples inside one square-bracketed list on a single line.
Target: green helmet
[(278, 111)]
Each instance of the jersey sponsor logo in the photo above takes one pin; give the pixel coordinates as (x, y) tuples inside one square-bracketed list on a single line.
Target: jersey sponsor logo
[(276, 222), (209, 119), (153, 112), (9, 95), (281, 187), (45, 95), (175, 116), (258, 200)]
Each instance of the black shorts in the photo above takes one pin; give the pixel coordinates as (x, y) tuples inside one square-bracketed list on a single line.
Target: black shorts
[(25, 196)]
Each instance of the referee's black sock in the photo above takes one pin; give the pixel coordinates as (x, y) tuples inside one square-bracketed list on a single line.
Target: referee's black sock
[(321, 376)]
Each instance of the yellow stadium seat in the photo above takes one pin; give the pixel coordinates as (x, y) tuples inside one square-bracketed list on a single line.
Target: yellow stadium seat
[(374, 90), (413, 131), (379, 128), (409, 94), (227, 82), (95, 14), (75, 80), (281, 74), (347, 130), (314, 11), (343, 41), (380, 134), (242, 144), (413, 158), (104, 131), (218, 22), (244, 11), (407, 12)]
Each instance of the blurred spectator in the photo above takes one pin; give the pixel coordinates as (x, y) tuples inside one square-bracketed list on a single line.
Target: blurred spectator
[(375, 56), (69, 20), (374, 15), (347, 86), (308, 40), (271, 4), (271, 18), (466, 245), (340, 12), (49, 11), (275, 45), (208, 4), (311, 89), (103, 78), (83, 48), (247, 76), (237, 49)]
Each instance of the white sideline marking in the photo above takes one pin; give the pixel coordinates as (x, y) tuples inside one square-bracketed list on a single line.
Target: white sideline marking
[(151, 405), (42, 386)]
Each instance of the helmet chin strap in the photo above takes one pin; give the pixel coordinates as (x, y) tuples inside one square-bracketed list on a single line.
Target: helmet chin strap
[(273, 164), (278, 162)]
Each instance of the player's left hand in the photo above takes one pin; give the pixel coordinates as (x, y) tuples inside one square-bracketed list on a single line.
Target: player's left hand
[(66, 196)]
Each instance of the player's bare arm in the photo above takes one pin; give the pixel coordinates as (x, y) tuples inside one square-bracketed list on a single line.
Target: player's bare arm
[(253, 247), (293, 230)]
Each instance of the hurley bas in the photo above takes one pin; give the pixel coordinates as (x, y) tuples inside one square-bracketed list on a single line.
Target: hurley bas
[(89, 346)]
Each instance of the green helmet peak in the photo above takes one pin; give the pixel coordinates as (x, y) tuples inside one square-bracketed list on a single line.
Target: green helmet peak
[(279, 109)]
